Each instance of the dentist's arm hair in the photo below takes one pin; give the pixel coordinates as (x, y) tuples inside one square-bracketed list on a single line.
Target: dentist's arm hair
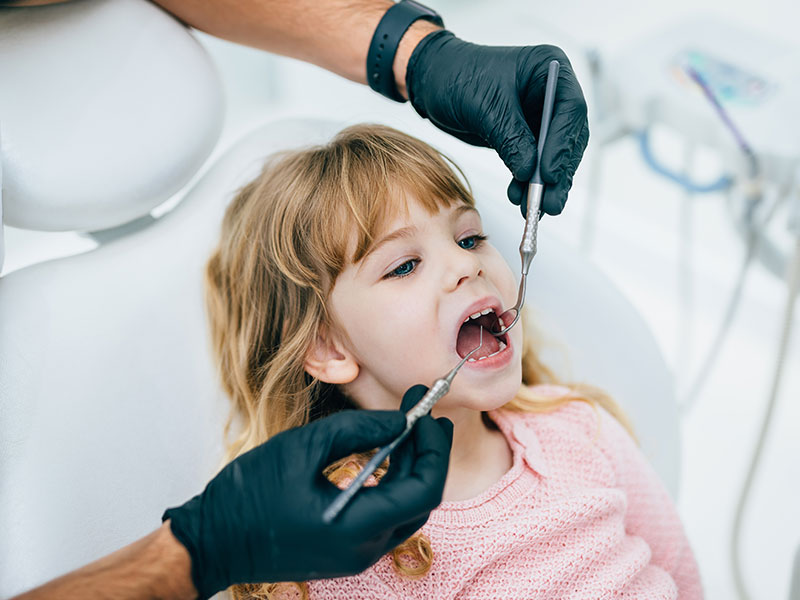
[(156, 566), (334, 34)]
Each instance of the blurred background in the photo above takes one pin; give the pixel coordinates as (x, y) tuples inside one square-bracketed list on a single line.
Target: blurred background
[(696, 232)]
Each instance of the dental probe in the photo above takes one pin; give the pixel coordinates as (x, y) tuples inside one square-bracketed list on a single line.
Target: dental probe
[(439, 388), (527, 248)]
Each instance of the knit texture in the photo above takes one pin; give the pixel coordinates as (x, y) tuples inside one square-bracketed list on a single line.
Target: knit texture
[(581, 514)]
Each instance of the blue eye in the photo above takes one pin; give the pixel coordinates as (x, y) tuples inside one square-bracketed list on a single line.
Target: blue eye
[(405, 269), (472, 242)]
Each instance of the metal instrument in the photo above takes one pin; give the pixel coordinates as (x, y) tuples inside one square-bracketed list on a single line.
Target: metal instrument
[(527, 249), (439, 388)]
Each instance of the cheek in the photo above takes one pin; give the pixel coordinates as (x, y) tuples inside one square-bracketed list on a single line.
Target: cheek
[(503, 277), (382, 322), (402, 319)]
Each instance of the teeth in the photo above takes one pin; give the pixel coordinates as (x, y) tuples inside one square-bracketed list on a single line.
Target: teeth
[(500, 320), (502, 346), (485, 311)]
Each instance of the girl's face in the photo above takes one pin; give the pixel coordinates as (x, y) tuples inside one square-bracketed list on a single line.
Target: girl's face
[(403, 307)]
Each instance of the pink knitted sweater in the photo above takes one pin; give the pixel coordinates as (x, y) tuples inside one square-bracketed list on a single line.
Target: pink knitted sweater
[(581, 514)]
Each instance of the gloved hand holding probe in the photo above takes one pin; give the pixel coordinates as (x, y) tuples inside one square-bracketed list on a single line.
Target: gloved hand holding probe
[(493, 96), (260, 518)]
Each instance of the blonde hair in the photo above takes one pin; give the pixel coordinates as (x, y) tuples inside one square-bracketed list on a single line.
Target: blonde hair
[(285, 238)]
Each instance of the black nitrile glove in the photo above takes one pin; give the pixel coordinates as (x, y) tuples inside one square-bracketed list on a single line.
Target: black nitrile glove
[(493, 96), (260, 519)]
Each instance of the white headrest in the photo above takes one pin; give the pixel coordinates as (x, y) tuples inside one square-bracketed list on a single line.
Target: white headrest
[(98, 128)]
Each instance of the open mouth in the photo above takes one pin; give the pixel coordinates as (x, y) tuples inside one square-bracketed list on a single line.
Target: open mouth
[(469, 335)]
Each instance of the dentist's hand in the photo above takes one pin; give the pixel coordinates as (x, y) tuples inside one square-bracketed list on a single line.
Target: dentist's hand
[(260, 519), (493, 96)]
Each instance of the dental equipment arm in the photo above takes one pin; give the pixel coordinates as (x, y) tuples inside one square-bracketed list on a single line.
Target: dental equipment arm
[(259, 520)]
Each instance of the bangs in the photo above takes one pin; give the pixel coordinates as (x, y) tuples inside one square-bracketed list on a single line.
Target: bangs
[(390, 201), (379, 171)]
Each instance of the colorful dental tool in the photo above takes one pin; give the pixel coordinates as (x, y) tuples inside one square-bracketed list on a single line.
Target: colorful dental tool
[(439, 388), (527, 249)]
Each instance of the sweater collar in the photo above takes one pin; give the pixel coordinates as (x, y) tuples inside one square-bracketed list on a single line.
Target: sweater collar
[(522, 436)]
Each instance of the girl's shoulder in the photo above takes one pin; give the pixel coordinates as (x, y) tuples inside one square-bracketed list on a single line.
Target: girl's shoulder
[(559, 410), (559, 433)]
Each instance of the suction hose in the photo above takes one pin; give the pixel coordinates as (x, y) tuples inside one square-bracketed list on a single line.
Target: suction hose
[(793, 286)]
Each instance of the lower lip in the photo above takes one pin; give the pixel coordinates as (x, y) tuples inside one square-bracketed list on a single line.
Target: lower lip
[(500, 359)]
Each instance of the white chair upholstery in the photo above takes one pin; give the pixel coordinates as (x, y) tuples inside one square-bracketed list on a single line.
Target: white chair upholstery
[(97, 127), (110, 409)]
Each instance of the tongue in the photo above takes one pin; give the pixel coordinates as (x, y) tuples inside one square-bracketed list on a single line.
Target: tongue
[(469, 337)]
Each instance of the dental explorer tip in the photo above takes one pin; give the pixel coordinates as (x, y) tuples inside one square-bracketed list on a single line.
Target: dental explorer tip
[(480, 343), (474, 350)]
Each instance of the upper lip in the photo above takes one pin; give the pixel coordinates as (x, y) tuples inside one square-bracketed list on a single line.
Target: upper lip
[(478, 305)]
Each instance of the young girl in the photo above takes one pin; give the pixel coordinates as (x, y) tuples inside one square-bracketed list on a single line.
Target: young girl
[(349, 272)]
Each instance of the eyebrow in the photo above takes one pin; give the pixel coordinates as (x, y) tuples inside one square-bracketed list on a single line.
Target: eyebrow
[(407, 232), (403, 232)]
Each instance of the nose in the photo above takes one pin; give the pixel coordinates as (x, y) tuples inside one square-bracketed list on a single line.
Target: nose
[(460, 266)]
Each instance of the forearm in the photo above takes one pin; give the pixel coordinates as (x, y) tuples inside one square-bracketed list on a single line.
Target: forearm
[(156, 566), (333, 34)]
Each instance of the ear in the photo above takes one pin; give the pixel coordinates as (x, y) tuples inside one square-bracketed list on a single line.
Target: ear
[(329, 360)]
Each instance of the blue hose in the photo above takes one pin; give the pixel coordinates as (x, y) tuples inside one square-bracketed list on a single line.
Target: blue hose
[(721, 184)]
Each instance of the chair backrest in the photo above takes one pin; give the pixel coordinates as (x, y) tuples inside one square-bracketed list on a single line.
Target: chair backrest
[(97, 127), (110, 408)]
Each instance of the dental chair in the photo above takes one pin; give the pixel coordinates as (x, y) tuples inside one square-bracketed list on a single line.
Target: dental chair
[(110, 406)]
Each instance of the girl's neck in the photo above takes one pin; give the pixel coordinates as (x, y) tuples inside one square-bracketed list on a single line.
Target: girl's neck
[(479, 458)]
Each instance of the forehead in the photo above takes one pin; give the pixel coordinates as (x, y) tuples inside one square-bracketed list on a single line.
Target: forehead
[(411, 212), (397, 206), (406, 210)]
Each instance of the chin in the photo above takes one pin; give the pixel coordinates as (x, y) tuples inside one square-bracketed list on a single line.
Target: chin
[(482, 398)]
